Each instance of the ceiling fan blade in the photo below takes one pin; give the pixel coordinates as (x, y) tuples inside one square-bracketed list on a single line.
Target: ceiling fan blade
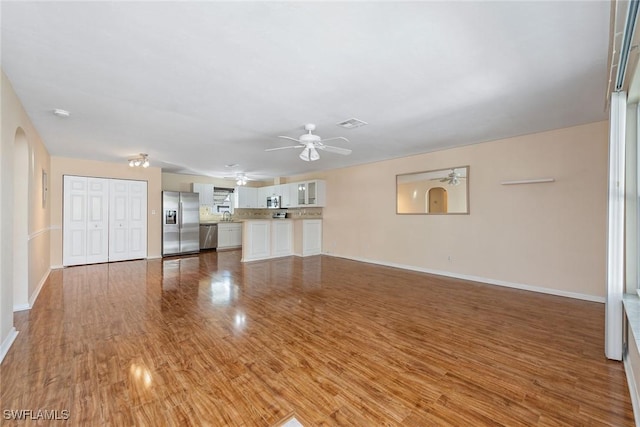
[(334, 138), (337, 150), (292, 139), (284, 148)]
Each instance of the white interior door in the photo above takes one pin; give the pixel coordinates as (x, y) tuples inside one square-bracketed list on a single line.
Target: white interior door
[(85, 220), (138, 219), (127, 220), (119, 220)]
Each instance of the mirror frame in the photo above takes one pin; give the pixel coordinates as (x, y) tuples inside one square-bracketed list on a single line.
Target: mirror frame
[(446, 170)]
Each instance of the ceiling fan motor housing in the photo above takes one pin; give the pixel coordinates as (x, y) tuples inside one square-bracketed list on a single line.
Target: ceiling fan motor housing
[(309, 137)]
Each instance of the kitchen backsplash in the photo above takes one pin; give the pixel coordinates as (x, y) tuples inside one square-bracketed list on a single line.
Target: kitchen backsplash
[(240, 213)]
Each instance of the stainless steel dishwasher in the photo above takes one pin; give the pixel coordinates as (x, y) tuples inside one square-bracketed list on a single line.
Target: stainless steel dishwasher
[(208, 236)]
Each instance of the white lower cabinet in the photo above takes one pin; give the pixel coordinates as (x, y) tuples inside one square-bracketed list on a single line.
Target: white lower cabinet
[(257, 240), (229, 235), (311, 237), (103, 220), (264, 239), (281, 238)]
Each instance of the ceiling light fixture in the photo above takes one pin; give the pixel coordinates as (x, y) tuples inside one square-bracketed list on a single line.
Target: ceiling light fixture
[(143, 161), (241, 179), (61, 113), (309, 154)]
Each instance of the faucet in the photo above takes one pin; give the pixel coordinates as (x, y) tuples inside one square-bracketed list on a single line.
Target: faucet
[(226, 216)]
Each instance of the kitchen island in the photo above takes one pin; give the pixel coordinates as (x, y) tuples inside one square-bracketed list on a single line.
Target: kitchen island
[(274, 238)]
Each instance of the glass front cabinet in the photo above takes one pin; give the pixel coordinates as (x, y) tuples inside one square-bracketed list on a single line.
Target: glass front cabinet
[(310, 193)]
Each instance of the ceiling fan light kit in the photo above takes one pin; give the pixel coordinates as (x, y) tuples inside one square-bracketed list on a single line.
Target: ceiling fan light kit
[(143, 161), (311, 143)]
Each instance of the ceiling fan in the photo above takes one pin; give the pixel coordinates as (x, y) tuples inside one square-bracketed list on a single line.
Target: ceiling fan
[(311, 143), (241, 178), (453, 178)]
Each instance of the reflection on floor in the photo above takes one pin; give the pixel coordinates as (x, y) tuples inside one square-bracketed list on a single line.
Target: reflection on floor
[(206, 340)]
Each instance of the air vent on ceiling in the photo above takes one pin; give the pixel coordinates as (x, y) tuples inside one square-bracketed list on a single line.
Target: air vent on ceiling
[(352, 123)]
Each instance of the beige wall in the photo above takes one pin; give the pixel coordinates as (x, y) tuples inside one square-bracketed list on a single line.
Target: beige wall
[(61, 166), (33, 238), (547, 236)]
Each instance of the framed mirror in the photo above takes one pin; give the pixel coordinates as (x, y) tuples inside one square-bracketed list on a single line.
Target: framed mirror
[(435, 192)]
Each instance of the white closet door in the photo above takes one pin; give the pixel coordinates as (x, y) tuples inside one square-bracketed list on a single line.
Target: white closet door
[(128, 220), (85, 220), (137, 219), (118, 220)]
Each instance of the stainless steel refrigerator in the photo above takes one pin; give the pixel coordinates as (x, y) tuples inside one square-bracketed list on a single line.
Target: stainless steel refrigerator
[(180, 223)]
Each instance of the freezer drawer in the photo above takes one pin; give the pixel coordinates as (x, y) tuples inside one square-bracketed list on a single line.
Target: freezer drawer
[(208, 236)]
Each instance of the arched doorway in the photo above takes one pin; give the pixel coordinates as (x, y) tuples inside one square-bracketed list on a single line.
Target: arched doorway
[(21, 196), (437, 200)]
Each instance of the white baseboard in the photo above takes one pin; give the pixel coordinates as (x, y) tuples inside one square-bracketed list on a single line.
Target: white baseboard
[(6, 344), (633, 391), (21, 307), (265, 258), (57, 267), (306, 255), (155, 257), (34, 296), (506, 284)]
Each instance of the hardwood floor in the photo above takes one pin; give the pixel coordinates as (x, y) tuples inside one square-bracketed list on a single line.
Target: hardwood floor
[(206, 340)]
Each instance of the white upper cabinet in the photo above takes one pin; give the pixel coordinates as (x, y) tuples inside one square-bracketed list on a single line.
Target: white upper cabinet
[(293, 195), (289, 193), (310, 193), (246, 197), (263, 193), (205, 192)]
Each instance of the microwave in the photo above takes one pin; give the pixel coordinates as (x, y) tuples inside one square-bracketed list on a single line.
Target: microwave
[(273, 202)]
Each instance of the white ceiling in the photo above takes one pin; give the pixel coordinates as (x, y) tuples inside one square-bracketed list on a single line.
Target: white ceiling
[(199, 85)]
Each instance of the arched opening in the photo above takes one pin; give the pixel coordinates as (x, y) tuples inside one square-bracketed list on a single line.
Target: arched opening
[(437, 200), (20, 222)]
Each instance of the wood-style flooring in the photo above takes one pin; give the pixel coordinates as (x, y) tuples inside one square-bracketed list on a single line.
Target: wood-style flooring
[(206, 340)]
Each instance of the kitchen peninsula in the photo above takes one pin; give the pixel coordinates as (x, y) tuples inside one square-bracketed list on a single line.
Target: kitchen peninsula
[(273, 238)]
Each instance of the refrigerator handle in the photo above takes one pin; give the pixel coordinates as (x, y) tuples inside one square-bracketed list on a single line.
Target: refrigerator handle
[(180, 215)]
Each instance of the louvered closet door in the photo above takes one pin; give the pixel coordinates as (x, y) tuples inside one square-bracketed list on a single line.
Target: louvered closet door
[(85, 220), (128, 220)]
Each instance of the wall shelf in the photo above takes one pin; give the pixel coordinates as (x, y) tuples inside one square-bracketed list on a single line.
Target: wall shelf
[(528, 181)]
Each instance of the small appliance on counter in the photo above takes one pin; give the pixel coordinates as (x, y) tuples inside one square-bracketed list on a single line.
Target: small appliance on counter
[(279, 215)]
